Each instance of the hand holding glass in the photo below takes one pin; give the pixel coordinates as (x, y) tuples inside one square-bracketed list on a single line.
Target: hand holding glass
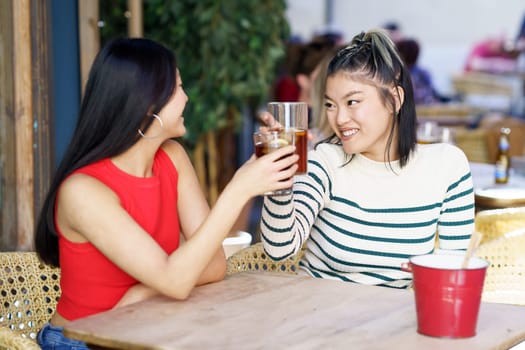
[(266, 142)]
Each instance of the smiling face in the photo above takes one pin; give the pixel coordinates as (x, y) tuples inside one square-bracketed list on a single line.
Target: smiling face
[(360, 117), (171, 113)]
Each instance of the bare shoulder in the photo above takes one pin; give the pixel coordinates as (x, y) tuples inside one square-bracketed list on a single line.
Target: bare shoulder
[(83, 200), (173, 146), (177, 153), (79, 188)]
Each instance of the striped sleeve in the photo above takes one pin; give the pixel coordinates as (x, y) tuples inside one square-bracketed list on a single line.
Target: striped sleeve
[(456, 221), (286, 221)]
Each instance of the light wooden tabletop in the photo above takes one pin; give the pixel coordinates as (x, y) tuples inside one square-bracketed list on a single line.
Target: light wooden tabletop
[(276, 311)]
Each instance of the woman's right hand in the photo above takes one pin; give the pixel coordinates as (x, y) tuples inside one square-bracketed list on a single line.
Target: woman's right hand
[(268, 121), (273, 171)]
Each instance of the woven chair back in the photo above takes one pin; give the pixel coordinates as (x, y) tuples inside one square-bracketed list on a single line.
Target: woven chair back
[(474, 144), (495, 223), (505, 279), (29, 290), (253, 258)]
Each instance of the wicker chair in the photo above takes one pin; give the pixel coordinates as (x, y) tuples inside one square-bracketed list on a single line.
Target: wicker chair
[(495, 223), (505, 279), (253, 258), (474, 144), (29, 290)]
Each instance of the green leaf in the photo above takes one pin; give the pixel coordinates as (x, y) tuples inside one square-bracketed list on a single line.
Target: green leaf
[(227, 51)]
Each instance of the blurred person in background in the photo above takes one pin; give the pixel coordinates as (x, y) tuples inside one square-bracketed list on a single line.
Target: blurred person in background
[(490, 56), (424, 91), (393, 30), (520, 38), (301, 61), (498, 54), (519, 46), (320, 128), (286, 87), (306, 69)]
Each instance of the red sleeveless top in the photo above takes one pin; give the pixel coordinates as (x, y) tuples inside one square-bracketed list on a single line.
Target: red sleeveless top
[(90, 282)]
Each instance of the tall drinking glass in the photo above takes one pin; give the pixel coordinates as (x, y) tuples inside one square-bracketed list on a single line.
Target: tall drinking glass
[(266, 142), (293, 116)]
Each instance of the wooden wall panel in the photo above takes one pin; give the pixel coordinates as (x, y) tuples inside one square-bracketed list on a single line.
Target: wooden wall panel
[(44, 148), (26, 150), (23, 123), (8, 229)]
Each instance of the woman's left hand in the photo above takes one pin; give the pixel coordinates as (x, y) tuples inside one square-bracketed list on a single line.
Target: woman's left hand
[(273, 171)]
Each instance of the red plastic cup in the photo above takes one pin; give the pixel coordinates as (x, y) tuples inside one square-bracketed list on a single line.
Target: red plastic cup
[(447, 297)]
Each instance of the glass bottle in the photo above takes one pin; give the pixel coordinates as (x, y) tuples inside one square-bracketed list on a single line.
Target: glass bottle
[(503, 159)]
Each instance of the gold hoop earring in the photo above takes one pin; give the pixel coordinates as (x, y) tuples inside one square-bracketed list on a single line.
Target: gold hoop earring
[(141, 133)]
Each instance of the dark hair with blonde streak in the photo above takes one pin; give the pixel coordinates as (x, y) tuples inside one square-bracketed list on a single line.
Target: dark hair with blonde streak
[(373, 57)]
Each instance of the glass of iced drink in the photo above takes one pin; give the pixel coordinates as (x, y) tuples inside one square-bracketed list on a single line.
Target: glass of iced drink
[(293, 116), (266, 142)]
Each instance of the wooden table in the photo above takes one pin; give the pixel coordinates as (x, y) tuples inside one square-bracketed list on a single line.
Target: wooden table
[(276, 311)]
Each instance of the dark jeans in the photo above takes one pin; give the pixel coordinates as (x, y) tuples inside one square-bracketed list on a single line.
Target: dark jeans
[(52, 338)]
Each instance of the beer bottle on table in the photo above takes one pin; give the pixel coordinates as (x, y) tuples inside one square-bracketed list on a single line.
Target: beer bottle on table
[(503, 159)]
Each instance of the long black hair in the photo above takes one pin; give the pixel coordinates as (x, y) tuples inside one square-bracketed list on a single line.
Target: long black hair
[(373, 56), (129, 80)]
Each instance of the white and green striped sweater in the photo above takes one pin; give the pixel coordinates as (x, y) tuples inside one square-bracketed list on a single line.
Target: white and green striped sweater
[(361, 220)]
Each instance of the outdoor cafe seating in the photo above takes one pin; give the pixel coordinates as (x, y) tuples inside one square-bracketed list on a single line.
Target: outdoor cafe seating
[(31, 289)]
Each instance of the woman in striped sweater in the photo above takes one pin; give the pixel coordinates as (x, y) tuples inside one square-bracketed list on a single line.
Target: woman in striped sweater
[(372, 197)]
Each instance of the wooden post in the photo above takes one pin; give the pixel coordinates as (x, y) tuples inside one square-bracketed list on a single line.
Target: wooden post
[(43, 131), (205, 162), (8, 227), (89, 37), (26, 152), (135, 22), (213, 185), (23, 123), (199, 163)]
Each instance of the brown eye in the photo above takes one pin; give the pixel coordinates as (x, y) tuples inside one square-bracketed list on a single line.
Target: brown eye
[(328, 105)]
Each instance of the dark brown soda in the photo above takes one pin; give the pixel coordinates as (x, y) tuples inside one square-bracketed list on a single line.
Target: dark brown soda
[(263, 148), (260, 149), (301, 148)]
